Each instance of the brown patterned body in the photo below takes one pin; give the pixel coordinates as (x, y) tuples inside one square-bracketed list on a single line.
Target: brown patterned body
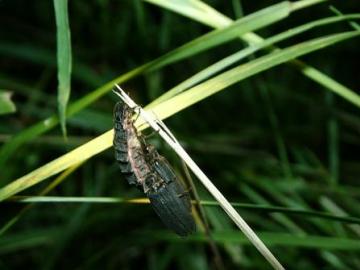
[(144, 167), (129, 152)]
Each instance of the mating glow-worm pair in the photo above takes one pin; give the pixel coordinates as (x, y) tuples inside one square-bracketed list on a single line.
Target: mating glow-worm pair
[(145, 168)]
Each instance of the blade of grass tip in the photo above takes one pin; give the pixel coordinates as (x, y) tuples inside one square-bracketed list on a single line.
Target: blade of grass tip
[(45, 191), (63, 58), (6, 104), (199, 11), (172, 106)]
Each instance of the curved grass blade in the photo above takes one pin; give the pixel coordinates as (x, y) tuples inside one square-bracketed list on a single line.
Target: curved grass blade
[(244, 71), (173, 106), (6, 104), (253, 21), (46, 190), (167, 136), (249, 23), (231, 59), (199, 11), (73, 157), (63, 59)]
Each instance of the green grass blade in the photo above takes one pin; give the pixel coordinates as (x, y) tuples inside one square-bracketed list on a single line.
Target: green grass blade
[(63, 58), (187, 50), (231, 59), (175, 105), (244, 71), (340, 217), (254, 21), (199, 11), (58, 180), (203, 13), (193, 9), (6, 104)]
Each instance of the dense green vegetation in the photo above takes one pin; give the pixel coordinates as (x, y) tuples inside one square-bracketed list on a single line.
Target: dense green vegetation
[(276, 130)]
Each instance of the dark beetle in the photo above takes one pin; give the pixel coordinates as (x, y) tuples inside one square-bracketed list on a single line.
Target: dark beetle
[(168, 197), (144, 167)]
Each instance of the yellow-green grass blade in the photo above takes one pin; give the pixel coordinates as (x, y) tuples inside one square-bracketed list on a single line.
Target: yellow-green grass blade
[(231, 59), (249, 23), (64, 61), (175, 105), (254, 207), (6, 104), (253, 21), (244, 71), (199, 11), (46, 190), (203, 13), (75, 156)]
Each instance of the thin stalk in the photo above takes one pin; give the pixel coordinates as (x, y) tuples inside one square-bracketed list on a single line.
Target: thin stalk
[(165, 133)]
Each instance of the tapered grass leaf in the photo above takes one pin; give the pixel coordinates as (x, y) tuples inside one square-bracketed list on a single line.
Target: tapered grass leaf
[(231, 59), (199, 11), (340, 217), (241, 72), (249, 23), (174, 105), (63, 58), (46, 190), (256, 20)]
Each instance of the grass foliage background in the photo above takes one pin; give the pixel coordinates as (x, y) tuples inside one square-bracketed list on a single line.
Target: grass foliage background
[(280, 145)]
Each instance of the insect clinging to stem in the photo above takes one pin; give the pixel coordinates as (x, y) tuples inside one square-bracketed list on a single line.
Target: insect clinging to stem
[(145, 168)]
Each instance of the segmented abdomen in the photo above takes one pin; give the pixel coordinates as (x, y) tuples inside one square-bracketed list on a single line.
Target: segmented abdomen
[(128, 148)]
